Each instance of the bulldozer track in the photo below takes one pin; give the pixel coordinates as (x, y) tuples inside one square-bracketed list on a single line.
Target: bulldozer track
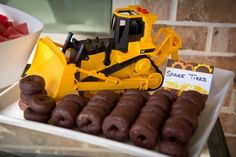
[(112, 69)]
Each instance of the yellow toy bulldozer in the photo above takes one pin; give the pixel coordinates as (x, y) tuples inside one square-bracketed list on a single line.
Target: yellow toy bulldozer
[(129, 60)]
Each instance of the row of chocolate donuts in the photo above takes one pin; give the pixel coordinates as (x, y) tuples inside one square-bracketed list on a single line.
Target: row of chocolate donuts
[(116, 126), (182, 123), (91, 118), (64, 115), (145, 132)]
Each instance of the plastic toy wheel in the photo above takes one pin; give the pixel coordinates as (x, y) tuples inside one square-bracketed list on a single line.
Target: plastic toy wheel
[(143, 66), (155, 81)]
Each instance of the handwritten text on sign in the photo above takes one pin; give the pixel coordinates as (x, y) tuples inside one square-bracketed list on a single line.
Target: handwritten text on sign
[(185, 79)]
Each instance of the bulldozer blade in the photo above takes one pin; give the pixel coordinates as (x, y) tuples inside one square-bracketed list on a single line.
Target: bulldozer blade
[(50, 63)]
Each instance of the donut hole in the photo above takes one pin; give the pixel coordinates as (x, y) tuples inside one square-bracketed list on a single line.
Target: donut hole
[(62, 119), (172, 139), (89, 122), (142, 138), (113, 129)]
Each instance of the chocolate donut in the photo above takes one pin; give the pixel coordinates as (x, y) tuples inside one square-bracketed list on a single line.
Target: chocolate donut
[(22, 105), (173, 149), (90, 122), (182, 123), (145, 130), (171, 96), (175, 130), (155, 110), (33, 116), (32, 84), (161, 101), (64, 115), (187, 106), (145, 94), (42, 104), (189, 119), (91, 118), (195, 97), (144, 136), (79, 100), (116, 126), (27, 97), (132, 103), (185, 100)]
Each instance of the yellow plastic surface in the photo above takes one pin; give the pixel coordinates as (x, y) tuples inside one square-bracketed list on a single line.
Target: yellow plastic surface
[(50, 63)]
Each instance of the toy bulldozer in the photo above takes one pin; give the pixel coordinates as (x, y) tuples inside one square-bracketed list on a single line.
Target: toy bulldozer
[(129, 60)]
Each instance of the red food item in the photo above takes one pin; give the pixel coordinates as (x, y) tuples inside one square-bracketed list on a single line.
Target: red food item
[(3, 18), (2, 28), (2, 38), (7, 24), (21, 28), (10, 31)]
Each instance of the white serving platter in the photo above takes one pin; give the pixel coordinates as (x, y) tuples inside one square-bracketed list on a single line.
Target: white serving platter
[(222, 80)]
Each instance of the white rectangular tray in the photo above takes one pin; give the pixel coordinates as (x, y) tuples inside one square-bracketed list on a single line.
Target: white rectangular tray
[(222, 80)]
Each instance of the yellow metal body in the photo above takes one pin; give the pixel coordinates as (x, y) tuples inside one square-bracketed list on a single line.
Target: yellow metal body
[(51, 63)]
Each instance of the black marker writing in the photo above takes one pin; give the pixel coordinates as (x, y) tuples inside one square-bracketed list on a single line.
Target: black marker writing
[(172, 74), (195, 77)]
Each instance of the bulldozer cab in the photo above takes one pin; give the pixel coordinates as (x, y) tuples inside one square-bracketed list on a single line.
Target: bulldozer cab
[(126, 30), (131, 24)]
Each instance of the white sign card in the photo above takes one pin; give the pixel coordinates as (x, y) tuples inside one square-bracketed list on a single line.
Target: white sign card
[(188, 76)]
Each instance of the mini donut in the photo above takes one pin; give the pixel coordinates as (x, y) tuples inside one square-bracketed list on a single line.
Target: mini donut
[(28, 97), (196, 97), (22, 105), (176, 130), (76, 98), (90, 121), (117, 124), (187, 106), (143, 136), (101, 105), (116, 128), (30, 115), (161, 101), (155, 110), (42, 104), (144, 94), (180, 112), (173, 149), (105, 96), (97, 109), (171, 96), (64, 115), (186, 100), (190, 119), (132, 103), (32, 84)]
